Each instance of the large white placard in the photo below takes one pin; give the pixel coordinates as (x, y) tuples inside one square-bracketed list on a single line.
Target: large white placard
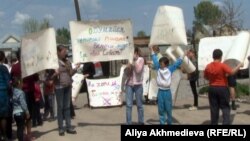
[(145, 80), (38, 52), (153, 88), (239, 51), (176, 52), (168, 27), (104, 92), (102, 40), (235, 50)]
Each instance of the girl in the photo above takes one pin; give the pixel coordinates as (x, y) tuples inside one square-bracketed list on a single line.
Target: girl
[(20, 109)]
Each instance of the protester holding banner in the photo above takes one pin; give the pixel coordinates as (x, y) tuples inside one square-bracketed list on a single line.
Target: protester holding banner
[(164, 96), (134, 86), (63, 82), (153, 73), (193, 77), (49, 95), (218, 93)]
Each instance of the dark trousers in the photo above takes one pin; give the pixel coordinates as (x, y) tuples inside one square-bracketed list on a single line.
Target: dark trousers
[(49, 104), (9, 127), (194, 91), (85, 89), (37, 118), (46, 105), (219, 98), (72, 109), (20, 122)]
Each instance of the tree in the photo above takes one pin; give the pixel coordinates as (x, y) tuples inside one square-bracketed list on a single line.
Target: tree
[(232, 16), (45, 24), (141, 34), (62, 36), (32, 25), (206, 14)]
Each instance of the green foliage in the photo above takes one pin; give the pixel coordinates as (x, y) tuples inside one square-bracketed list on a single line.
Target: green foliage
[(30, 25), (33, 25), (141, 34), (62, 36), (241, 90), (206, 13), (203, 90)]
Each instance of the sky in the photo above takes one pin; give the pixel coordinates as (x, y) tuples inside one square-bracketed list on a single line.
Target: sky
[(60, 12)]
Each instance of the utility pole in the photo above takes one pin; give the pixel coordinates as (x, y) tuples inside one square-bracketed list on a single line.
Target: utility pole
[(78, 15)]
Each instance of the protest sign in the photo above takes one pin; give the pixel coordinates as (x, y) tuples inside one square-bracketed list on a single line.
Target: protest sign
[(102, 40), (38, 52), (235, 49), (168, 27)]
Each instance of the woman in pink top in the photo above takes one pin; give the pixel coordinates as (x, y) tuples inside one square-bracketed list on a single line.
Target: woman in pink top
[(134, 86)]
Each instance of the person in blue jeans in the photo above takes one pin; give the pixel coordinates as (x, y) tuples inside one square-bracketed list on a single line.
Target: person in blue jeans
[(63, 85), (164, 96), (134, 86)]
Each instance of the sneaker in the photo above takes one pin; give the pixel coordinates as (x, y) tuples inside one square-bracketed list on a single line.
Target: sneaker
[(71, 131), (61, 132), (234, 107), (193, 108)]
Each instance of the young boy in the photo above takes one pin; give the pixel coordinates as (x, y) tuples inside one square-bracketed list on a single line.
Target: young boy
[(164, 96)]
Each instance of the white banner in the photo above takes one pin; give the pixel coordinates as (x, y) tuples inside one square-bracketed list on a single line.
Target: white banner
[(168, 27), (38, 52), (235, 50), (102, 40), (76, 85), (153, 88), (145, 80), (104, 92), (239, 51), (176, 52)]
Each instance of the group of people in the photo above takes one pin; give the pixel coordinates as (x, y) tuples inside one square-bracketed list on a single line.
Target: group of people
[(221, 79), (20, 97)]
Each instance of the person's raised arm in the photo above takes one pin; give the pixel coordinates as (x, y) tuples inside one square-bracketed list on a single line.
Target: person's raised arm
[(176, 65)]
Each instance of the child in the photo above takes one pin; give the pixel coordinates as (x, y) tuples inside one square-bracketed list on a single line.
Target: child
[(20, 109), (164, 96), (49, 95)]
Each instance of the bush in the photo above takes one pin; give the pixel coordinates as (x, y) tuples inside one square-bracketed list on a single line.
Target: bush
[(241, 90), (203, 90)]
